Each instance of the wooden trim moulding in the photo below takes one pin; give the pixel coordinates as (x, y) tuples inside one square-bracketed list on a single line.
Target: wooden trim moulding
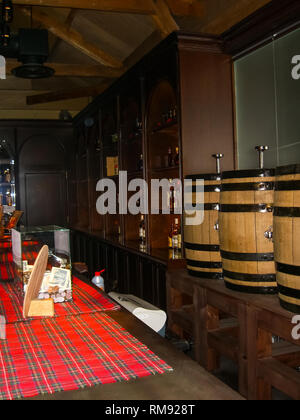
[(273, 20)]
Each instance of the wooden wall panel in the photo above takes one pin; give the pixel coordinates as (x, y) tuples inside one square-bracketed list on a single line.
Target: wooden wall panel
[(206, 111)]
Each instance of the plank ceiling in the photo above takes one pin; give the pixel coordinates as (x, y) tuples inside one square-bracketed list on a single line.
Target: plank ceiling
[(92, 42)]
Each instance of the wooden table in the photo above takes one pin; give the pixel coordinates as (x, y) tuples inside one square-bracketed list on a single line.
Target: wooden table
[(189, 381), (246, 339)]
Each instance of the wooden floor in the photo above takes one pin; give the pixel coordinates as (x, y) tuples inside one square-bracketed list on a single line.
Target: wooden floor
[(188, 381)]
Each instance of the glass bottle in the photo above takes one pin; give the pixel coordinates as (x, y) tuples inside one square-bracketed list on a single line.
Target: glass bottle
[(176, 158), (171, 197), (176, 236), (7, 176), (170, 157), (141, 163), (142, 230), (170, 239), (9, 199)]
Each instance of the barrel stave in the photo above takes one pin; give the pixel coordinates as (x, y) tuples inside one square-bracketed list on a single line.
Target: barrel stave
[(206, 261), (246, 206), (286, 236)]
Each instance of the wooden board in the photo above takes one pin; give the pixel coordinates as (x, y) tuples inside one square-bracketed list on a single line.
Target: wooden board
[(36, 279), (44, 308)]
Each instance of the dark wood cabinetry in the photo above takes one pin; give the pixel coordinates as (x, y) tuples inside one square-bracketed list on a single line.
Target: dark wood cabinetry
[(162, 120), (41, 153)]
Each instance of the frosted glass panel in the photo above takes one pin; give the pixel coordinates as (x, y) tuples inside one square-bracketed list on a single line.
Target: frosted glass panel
[(268, 102), (256, 107), (288, 98)]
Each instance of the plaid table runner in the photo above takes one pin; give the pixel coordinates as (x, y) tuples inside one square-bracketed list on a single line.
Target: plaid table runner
[(7, 257), (68, 353), (86, 299)]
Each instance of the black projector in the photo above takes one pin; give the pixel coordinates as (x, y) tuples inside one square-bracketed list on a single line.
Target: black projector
[(31, 48)]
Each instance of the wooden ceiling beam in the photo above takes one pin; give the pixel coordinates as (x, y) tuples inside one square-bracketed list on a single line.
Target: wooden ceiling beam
[(220, 16), (68, 23), (75, 70), (64, 95), (143, 7), (73, 38), (163, 18), (119, 6)]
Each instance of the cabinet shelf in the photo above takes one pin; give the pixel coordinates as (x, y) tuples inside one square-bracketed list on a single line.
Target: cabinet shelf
[(171, 128), (164, 169)]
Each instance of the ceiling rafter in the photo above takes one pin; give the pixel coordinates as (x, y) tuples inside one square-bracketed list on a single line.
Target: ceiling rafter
[(121, 6), (218, 19), (144, 7), (73, 38), (68, 23), (67, 94), (163, 18)]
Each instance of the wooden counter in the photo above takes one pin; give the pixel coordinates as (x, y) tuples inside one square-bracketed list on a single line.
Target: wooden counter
[(189, 381)]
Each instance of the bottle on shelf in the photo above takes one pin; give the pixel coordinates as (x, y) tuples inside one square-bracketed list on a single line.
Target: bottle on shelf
[(9, 199), (138, 126), (171, 197), (176, 158), (7, 176), (176, 236), (141, 163), (170, 157), (170, 239), (142, 231)]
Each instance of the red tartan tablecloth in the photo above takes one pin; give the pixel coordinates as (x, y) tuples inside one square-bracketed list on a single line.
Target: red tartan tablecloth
[(68, 353), (81, 347), (86, 299)]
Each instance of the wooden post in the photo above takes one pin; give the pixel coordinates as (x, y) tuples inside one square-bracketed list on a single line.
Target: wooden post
[(259, 346), (208, 320)]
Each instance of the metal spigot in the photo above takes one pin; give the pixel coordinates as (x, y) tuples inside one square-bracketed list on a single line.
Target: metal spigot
[(218, 157), (261, 150)]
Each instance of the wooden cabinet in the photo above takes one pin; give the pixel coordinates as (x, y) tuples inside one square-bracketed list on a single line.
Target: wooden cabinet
[(162, 120)]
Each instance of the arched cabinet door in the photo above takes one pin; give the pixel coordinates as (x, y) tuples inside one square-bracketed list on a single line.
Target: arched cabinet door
[(43, 181)]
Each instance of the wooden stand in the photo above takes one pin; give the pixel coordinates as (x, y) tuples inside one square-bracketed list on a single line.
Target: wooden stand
[(245, 336)]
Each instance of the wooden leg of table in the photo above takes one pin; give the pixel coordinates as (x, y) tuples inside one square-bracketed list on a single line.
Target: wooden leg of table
[(259, 346), (208, 320)]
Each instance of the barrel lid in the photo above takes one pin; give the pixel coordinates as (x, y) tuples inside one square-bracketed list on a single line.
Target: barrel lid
[(205, 177), (288, 170), (252, 173)]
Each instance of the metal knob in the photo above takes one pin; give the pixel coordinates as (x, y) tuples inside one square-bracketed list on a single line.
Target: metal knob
[(269, 234), (261, 150), (218, 157)]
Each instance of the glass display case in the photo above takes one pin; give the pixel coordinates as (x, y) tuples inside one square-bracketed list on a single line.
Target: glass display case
[(7, 178), (26, 244)]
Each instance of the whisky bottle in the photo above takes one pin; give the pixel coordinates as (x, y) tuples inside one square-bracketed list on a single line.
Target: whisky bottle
[(176, 158), (8, 199), (171, 197), (7, 176), (170, 239), (142, 230), (176, 236), (170, 157), (141, 163)]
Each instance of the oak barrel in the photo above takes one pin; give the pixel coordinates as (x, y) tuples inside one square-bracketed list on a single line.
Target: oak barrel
[(245, 222), (201, 242), (287, 236)]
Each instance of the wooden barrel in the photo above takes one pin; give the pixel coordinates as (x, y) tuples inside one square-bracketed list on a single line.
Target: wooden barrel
[(287, 236), (245, 220), (201, 242)]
